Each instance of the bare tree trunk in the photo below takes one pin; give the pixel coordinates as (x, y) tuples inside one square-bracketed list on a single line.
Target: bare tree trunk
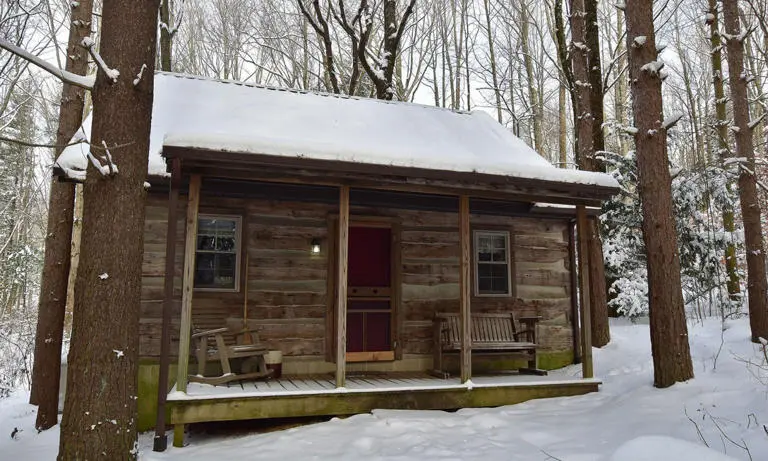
[(492, 55), (99, 419), (669, 332), (165, 35), (533, 95), (620, 97), (562, 127), (46, 371), (729, 225), (598, 293), (750, 208)]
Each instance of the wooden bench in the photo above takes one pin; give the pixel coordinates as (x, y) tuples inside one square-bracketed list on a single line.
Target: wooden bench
[(490, 334)]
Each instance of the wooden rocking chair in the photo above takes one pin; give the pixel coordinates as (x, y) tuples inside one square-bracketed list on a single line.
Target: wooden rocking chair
[(253, 365)]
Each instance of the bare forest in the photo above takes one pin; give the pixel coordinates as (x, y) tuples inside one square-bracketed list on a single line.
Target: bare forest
[(583, 82)]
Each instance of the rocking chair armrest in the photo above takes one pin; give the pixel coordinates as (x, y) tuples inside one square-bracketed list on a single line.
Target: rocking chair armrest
[(217, 331)]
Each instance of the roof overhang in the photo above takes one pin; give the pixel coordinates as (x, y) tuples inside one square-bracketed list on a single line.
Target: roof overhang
[(272, 168)]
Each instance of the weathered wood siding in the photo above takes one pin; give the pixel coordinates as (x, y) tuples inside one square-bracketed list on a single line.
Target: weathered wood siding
[(287, 299)]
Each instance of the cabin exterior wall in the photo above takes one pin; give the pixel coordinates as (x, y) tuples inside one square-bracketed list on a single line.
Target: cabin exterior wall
[(287, 284)]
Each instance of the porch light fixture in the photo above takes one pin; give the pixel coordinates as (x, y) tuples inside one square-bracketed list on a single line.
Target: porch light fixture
[(315, 246)]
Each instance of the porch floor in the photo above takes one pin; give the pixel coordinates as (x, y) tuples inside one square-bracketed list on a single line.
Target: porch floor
[(318, 396), (305, 385)]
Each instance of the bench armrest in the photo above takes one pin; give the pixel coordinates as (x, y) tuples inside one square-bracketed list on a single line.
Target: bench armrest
[(532, 319), (528, 330), (217, 331)]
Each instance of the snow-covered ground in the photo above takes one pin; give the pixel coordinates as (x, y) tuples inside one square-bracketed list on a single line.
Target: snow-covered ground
[(628, 420)]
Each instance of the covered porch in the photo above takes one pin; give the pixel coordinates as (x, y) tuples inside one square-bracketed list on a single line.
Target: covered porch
[(348, 388)]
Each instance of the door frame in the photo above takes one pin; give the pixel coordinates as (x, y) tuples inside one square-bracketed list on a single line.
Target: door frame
[(396, 324)]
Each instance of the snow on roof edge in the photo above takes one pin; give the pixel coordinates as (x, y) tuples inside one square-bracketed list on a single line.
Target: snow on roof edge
[(198, 112)]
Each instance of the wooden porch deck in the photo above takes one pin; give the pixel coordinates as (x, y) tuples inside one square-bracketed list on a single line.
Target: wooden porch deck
[(318, 396)]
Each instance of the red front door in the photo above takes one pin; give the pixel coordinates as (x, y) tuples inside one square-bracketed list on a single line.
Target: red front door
[(369, 307)]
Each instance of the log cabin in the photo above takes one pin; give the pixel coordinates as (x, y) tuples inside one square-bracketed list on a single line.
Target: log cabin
[(338, 231)]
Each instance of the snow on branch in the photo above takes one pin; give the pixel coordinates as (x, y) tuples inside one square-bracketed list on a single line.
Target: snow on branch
[(109, 168), (653, 67), (66, 77), (139, 75), (620, 6), (756, 122), (89, 44), (671, 121)]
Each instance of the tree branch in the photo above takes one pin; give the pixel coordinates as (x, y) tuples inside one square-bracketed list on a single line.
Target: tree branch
[(66, 77)]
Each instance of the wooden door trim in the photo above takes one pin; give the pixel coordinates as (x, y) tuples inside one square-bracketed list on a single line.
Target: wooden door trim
[(396, 326)]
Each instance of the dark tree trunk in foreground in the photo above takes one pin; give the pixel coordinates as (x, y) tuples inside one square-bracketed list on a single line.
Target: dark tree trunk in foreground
[(46, 370), (750, 207), (99, 419), (589, 140), (601, 335), (669, 332)]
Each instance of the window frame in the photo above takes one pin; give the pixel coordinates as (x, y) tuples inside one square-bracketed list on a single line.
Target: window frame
[(238, 219), (476, 234)]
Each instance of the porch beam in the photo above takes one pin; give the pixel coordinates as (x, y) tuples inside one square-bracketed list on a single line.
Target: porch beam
[(160, 440), (341, 292), (582, 227), (464, 290), (188, 284)]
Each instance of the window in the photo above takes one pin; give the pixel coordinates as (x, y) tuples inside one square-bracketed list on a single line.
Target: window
[(217, 260), (492, 275)]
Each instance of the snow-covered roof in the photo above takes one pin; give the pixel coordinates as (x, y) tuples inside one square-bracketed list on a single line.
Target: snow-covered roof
[(195, 112)]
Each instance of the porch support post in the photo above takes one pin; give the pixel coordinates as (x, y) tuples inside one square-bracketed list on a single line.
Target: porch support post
[(582, 227), (341, 292), (161, 441), (464, 287), (574, 292), (188, 286)]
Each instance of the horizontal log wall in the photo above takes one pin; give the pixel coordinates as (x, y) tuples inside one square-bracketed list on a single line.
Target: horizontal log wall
[(287, 284)]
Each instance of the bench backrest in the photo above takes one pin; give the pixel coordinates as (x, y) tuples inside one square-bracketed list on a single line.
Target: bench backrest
[(485, 328)]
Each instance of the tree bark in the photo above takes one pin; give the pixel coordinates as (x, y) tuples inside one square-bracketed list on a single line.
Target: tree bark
[(669, 332), (601, 334), (588, 133), (750, 207), (620, 95), (721, 130), (99, 419), (46, 371), (166, 44)]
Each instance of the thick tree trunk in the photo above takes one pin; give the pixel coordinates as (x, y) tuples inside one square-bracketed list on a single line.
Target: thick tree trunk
[(669, 332), (99, 419), (750, 207), (601, 334), (46, 370), (586, 136), (721, 130)]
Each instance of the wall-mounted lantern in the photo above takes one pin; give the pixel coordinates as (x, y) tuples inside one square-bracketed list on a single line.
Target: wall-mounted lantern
[(315, 246)]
